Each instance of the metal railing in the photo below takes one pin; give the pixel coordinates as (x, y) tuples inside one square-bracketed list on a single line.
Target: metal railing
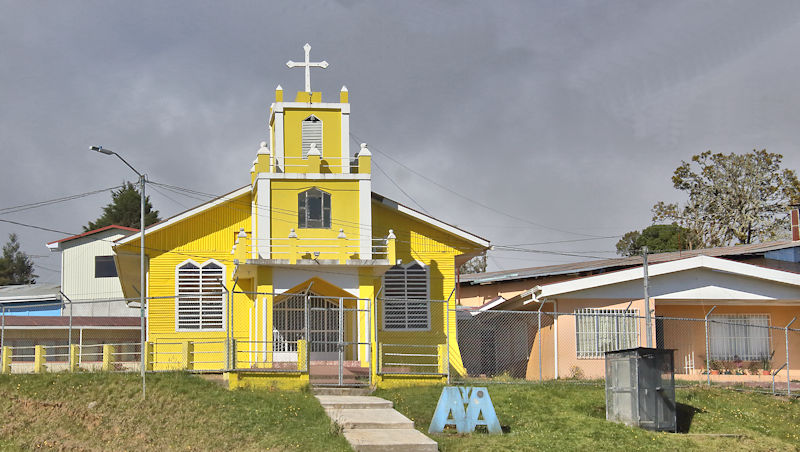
[(411, 359)]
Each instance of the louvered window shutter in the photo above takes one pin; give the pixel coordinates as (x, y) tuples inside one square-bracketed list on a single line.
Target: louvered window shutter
[(312, 133), (406, 305), (200, 300)]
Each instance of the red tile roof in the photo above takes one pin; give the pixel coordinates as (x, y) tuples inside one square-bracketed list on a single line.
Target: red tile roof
[(94, 231)]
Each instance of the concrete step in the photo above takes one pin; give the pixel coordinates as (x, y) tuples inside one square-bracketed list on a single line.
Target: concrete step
[(373, 418), (355, 391), (389, 440), (336, 402)]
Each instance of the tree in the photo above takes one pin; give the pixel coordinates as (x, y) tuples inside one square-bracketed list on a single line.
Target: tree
[(125, 210), (475, 265), (742, 197), (657, 238), (16, 267)]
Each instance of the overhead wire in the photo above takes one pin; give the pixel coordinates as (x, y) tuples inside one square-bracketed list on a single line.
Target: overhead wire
[(374, 162), (23, 207), (469, 199), (290, 215)]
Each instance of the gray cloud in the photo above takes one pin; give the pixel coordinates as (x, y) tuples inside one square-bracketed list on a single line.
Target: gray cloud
[(570, 114)]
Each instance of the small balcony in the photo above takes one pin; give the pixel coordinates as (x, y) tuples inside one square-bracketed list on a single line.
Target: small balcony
[(296, 250)]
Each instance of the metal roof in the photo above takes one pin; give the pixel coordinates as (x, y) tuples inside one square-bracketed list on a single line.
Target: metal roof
[(54, 243), (623, 262), (30, 292)]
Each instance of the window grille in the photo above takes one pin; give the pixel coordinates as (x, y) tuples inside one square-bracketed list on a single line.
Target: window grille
[(104, 267), (602, 330), (200, 300), (739, 336), (314, 209), (406, 305), (312, 133)]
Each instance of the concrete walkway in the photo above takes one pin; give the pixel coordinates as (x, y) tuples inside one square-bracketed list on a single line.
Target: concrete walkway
[(371, 424)]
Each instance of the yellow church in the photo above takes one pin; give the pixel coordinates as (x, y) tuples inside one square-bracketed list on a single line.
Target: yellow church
[(304, 275)]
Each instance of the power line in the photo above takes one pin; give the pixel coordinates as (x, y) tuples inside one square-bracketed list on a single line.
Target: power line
[(557, 253), (352, 138), (192, 254), (460, 195), (34, 205), (36, 227), (291, 214), (398, 187), (561, 241)]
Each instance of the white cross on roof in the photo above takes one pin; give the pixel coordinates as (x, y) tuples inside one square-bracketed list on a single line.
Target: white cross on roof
[(307, 65)]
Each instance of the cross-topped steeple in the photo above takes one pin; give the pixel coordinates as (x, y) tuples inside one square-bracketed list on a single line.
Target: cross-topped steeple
[(307, 65)]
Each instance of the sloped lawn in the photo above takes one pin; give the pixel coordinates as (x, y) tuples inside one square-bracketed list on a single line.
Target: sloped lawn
[(567, 416), (100, 412)]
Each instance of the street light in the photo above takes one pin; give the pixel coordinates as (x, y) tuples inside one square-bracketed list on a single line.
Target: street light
[(142, 296)]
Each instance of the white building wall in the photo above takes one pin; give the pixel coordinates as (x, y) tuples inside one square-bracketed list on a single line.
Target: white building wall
[(78, 276)]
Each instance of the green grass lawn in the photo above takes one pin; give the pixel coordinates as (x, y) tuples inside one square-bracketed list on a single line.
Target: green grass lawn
[(99, 411), (566, 416), (182, 412)]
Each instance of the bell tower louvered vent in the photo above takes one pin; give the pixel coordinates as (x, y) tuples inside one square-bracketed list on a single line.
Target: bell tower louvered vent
[(312, 133)]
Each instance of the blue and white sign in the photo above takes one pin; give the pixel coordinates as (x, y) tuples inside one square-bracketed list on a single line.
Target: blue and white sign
[(465, 408)]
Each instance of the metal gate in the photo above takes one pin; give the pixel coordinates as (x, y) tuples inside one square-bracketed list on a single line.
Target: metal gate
[(336, 331)]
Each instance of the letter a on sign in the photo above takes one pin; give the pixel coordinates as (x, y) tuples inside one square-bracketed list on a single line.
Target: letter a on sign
[(481, 404), (479, 410), (450, 402)]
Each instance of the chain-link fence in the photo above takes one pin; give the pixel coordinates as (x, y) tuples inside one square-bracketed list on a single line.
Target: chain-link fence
[(411, 337), (730, 346), (754, 348)]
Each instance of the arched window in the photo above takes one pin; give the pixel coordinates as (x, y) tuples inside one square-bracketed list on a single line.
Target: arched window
[(199, 302), (314, 209), (312, 133), (406, 304)]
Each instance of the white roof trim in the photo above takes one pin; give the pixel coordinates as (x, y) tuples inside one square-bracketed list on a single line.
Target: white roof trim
[(490, 305), (713, 263), (433, 221), (189, 213), (32, 298)]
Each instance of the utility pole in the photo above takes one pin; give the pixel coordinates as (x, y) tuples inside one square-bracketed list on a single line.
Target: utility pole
[(143, 276), (648, 323)]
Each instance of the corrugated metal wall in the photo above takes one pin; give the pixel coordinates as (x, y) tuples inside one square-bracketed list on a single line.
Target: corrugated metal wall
[(79, 282)]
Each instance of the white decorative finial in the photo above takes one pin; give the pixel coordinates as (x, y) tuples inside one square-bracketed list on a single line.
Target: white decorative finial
[(364, 150), (313, 150), (279, 88), (307, 65), (391, 235), (341, 234), (292, 234), (263, 149), (344, 89)]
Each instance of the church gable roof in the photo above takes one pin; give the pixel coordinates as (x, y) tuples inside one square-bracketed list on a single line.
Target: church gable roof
[(188, 214), (441, 225)]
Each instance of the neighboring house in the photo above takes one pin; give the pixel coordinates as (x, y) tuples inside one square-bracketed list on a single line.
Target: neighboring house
[(305, 268), (753, 286), (31, 300), (606, 312), (89, 274), (87, 308), (479, 289)]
